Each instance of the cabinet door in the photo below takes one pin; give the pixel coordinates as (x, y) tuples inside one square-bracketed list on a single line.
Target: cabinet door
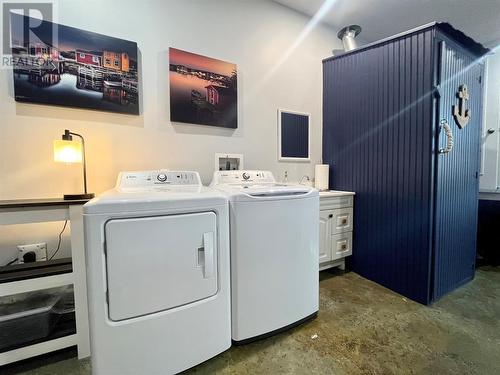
[(325, 248)]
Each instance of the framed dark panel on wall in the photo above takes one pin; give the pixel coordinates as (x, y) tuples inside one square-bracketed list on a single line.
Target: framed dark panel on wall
[(294, 136)]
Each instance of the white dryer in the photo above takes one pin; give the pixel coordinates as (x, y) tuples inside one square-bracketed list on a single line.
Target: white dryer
[(157, 249), (274, 253)]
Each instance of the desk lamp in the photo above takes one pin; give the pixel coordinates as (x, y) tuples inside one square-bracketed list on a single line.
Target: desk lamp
[(67, 150)]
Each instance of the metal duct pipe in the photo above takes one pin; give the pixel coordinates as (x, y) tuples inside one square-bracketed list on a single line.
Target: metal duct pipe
[(348, 37)]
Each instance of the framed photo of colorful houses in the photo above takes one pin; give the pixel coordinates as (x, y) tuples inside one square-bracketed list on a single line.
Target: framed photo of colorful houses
[(203, 90), (62, 65)]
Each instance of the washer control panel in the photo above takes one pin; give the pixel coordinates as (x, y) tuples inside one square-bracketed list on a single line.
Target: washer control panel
[(150, 180), (235, 177)]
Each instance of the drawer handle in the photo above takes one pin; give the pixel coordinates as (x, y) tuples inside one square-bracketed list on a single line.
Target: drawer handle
[(344, 246), (344, 221), (330, 216)]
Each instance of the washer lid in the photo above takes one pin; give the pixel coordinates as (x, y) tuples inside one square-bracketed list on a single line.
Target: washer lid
[(253, 185), (265, 191)]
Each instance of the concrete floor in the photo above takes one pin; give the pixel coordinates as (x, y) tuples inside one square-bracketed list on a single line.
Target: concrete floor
[(362, 328)]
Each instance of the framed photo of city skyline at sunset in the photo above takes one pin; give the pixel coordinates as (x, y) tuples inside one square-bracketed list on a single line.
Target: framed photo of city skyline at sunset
[(203, 90), (61, 65)]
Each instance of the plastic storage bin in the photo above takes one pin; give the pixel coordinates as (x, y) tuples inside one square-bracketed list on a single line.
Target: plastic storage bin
[(30, 316), (63, 311)]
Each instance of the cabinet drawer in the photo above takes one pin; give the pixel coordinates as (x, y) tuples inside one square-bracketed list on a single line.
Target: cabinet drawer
[(335, 202), (341, 245), (341, 220)]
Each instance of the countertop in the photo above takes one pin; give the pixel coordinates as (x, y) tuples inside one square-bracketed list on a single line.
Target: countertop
[(489, 195), (335, 193)]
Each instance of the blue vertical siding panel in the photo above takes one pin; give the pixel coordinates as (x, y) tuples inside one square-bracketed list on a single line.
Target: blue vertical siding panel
[(373, 138), (457, 172), (428, 132)]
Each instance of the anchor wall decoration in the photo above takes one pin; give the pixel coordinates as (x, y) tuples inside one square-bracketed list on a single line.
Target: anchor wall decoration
[(462, 115)]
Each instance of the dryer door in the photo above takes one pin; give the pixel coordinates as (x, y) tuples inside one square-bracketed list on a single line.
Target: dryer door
[(159, 263)]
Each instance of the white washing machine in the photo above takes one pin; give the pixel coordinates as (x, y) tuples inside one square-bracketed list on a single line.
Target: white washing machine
[(274, 253), (157, 249)]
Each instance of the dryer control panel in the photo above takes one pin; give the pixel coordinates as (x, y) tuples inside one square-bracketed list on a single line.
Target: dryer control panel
[(238, 177), (150, 180)]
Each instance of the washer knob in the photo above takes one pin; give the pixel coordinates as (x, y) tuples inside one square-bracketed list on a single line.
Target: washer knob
[(245, 176), (162, 177)]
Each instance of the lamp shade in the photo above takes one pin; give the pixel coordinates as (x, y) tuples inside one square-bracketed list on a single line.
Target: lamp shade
[(67, 151)]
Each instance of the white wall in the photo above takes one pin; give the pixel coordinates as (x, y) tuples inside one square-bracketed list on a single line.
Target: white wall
[(253, 34), (490, 178)]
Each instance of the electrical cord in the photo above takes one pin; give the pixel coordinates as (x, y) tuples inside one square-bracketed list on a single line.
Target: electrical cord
[(306, 177), (55, 252), (59, 241), (12, 261)]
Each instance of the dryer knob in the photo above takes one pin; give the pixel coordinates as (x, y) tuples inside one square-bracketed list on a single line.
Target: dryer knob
[(245, 176), (162, 177)]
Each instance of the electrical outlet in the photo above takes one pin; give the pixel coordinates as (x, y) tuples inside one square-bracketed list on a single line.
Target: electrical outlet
[(39, 250)]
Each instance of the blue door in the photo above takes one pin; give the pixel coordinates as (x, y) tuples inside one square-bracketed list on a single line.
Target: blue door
[(457, 170)]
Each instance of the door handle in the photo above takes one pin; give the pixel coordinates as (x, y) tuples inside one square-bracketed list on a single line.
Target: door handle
[(208, 246), (449, 137)]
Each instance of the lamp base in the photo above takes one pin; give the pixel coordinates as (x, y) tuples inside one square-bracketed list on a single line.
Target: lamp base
[(73, 197)]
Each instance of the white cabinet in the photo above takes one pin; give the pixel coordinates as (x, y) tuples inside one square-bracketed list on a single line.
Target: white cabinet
[(335, 228), (325, 253)]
